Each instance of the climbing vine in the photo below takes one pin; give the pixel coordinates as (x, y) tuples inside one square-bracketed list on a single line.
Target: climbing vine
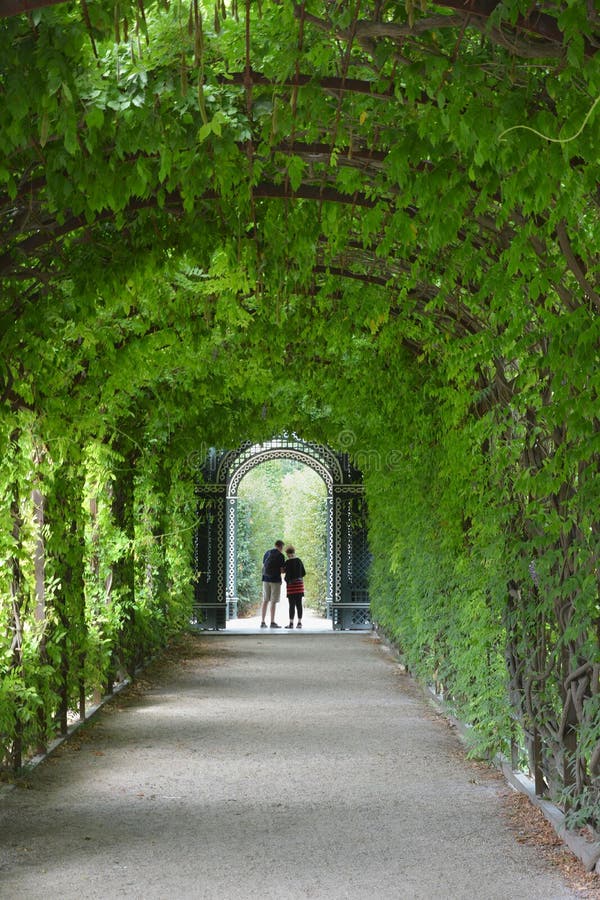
[(372, 225)]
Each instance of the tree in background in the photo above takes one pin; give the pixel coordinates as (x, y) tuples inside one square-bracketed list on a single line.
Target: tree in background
[(306, 528), (261, 503), (281, 498)]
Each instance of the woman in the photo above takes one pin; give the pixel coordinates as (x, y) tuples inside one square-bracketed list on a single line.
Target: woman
[(294, 573)]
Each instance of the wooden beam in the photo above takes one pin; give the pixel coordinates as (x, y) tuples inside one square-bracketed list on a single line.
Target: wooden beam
[(173, 202), (536, 23), (340, 85), (18, 7)]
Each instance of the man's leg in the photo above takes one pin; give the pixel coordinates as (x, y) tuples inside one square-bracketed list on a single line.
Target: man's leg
[(275, 591), (264, 605)]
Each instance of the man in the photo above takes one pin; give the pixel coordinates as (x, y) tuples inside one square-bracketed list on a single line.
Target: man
[(273, 566)]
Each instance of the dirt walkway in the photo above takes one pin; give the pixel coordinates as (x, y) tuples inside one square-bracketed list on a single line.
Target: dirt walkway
[(272, 765)]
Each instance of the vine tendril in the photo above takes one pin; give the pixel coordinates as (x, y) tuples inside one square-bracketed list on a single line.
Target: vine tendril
[(552, 139)]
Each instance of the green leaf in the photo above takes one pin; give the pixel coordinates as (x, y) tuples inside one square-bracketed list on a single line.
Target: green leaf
[(94, 117), (295, 168)]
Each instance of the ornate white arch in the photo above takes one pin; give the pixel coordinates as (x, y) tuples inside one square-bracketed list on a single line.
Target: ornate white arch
[(247, 465), (317, 456)]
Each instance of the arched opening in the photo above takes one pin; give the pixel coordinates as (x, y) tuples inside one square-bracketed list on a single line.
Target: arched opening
[(281, 498), (216, 601)]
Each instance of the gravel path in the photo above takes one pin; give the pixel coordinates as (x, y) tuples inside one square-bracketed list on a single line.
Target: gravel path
[(266, 765)]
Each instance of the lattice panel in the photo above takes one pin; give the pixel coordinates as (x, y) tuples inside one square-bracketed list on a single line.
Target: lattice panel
[(330, 553), (360, 618), (196, 554), (231, 547), (346, 618), (221, 537), (336, 559), (208, 617), (361, 561)]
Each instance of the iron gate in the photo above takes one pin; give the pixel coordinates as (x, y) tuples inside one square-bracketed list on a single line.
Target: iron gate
[(215, 573)]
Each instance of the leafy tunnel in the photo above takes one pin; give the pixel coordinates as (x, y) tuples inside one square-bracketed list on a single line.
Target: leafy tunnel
[(362, 218)]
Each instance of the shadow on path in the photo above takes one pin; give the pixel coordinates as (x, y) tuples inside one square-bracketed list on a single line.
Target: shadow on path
[(311, 622), (266, 768)]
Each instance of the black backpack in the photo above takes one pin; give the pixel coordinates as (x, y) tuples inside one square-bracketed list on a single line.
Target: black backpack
[(272, 564)]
